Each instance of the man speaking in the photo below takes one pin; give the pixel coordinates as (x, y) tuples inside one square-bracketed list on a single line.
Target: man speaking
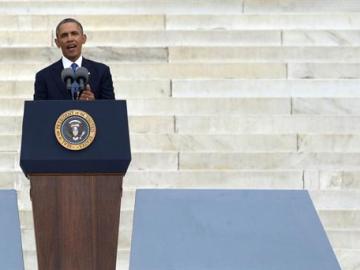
[(73, 76)]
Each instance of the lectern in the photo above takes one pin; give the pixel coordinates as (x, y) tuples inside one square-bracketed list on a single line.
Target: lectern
[(75, 154)]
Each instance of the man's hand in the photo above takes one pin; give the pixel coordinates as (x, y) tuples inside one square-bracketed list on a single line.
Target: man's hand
[(87, 94)]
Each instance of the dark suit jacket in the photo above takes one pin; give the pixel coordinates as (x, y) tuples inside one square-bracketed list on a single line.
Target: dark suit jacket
[(48, 83)]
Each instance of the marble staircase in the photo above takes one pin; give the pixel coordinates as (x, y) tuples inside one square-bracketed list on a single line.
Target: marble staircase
[(221, 94)]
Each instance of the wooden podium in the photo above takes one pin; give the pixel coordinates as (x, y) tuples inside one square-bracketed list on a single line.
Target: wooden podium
[(76, 194)]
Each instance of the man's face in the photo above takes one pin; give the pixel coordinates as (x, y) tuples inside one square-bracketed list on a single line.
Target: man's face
[(70, 39)]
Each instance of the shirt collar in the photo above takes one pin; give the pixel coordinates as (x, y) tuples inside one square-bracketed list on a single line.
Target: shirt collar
[(67, 63)]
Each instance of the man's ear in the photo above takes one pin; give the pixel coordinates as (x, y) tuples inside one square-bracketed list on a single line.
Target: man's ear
[(84, 38), (57, 42)]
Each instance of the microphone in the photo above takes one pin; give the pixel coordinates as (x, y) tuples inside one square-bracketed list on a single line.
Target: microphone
[(67, 75), (82, 77)]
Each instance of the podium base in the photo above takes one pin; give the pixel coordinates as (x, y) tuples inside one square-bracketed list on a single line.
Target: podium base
[(76, 219)]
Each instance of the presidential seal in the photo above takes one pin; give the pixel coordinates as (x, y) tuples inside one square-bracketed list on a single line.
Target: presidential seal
[(75, 130)]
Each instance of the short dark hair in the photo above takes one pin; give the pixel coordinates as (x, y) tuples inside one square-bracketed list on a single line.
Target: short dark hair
[(68, 20)]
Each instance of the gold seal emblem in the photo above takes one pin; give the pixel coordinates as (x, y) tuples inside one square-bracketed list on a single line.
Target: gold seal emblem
[(75, 130)]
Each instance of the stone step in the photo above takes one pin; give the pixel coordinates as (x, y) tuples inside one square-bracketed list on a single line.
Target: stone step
[(321, 38), (332, 180), (199, 54), (261, 21), (223, 88), (213, 143), (184, 38), (93, 22), (294, 54), (329, 143), (304, 6), (91, 7), (323, 71), (211, 38), (140, 161), (147, 38), (9, 143), (344, 239), (155, 71), (25, 38), (123, 89), (336, 199), (265, 88), (31, 22), (178, 7), (349, 259), (187, 106), (47, 55), (206, 106), (326, 106), (340, 219), (268, 161), (10, 125), (8, 161), (268, 124)]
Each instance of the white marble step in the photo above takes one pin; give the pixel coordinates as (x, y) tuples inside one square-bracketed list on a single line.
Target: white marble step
[(265, 54), (123, 89), (31, 22), (185, 106), (265, 88), (155, 71), (179, 7), (48, 55), (303, 6), (177, 38), (295, 21), (261, 21), (272, 124), (223, 88), (321, 38), (323, 71), (132, 38), (167, 161), (198, 54), (265, 161), (332, 179), (46, 7)]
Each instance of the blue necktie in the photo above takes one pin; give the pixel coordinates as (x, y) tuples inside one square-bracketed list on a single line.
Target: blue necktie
[(75, 85)]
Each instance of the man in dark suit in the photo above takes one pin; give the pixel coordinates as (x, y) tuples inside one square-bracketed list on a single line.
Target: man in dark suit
[(70, 39)]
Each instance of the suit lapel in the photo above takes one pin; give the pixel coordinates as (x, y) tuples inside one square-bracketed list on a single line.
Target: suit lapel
[(56, 73)]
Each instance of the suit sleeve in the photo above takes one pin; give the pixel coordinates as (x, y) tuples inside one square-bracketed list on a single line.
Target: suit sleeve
[(40, 90), (107, 88)]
